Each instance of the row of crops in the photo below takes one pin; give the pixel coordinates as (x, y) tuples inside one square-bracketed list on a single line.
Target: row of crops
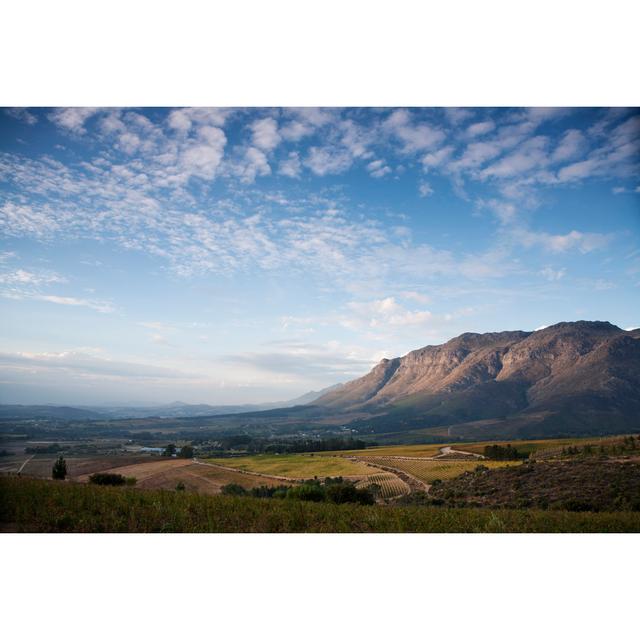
[(390, 485), (430, 470)]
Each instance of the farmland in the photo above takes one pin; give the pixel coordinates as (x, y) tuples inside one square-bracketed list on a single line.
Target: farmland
[(429, 470), (296, 465), (47, 506), (390, 485)]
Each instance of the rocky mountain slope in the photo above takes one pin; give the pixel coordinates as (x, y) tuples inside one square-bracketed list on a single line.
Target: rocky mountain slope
[(572, 376)]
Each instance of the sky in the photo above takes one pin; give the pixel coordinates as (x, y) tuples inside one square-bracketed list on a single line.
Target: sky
[(249, 255)]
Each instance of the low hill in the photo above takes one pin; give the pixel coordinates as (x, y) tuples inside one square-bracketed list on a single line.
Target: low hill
[(47, 412)]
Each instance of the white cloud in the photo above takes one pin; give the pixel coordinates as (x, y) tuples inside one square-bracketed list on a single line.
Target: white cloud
[(480, 128), (553, 275), (573, 143), (265, 134), (291, 167), (424, 189), (504, 211), (577, 170), (584, 242), (255, 164), (415, 137), (100, 306), (23, 277), (378, 168), (295, 130), (328, 160), (203, 156), (73, 118), (458, 115), (437, 158), (20, 113), (531, 154)]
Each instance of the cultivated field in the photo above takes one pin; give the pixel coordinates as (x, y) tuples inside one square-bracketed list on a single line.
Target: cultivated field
[(40, 466), (297, 466), (429, 470), (416, 450), (390, 485)]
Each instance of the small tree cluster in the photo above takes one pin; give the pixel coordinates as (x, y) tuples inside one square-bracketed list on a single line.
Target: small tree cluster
[(334, 490), (59, 470)]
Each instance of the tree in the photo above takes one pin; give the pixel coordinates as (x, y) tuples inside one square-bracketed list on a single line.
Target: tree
[(170, 450), (186, 451), (59, 470)]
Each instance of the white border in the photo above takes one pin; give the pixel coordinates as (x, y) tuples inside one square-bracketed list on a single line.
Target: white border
[(72, 52), (334, 52)]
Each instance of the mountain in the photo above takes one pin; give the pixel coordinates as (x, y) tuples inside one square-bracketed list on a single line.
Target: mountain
[(567, 378), (312, 396)]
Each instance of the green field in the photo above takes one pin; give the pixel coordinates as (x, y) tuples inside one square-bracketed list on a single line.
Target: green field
[(416, 450), (430, 470), (296, 465), (29, 505), (430, 450)]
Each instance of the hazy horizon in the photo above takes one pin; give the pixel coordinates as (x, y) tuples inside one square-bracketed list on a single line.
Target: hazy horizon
[(232, 256)]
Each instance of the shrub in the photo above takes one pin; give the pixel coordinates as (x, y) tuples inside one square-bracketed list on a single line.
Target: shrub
[(233, 490), (59, 469), (130, 481), (111, 479), (180, 486), (308, 491)]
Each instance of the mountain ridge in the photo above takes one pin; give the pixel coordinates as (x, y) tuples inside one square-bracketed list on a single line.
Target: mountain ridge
[(582, 371)]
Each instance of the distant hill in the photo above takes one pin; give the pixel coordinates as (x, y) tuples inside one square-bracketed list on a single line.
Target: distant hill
[(171, 410), (571, 377), (48, 412)]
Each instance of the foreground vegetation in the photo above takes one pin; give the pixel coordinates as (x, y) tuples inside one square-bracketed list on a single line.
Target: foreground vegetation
[(54, 506), (585, 485)]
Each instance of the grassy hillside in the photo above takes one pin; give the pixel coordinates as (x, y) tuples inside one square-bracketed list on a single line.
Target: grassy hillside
[(50, 506)]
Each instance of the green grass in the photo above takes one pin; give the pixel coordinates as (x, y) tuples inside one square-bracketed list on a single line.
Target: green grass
[(31, 505), (296, 465)]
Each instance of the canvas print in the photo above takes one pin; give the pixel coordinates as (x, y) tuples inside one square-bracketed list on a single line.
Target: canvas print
[(320, 320)]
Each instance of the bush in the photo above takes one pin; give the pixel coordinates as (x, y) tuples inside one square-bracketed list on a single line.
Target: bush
[(180, 486), (309, 491), (59, 469), (186, 451), (110, 479), (347, 492), (130, 481), (233, 490)]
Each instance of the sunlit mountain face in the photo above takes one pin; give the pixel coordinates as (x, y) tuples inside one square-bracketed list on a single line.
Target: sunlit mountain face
[(233, 256)]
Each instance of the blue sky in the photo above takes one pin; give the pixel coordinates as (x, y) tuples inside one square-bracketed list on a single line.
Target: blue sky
[(248, 255)]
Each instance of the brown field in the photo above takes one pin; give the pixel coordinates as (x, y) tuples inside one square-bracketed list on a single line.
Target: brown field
[(40, 467), (141, 470), (206, 479), (166, 473)]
